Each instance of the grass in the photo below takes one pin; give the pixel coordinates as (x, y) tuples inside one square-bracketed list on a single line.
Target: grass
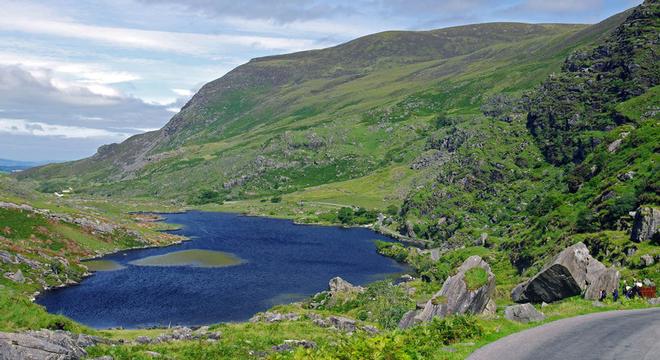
[(475, 278)]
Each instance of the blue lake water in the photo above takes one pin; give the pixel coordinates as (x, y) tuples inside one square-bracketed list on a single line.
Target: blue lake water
[(280, 262)]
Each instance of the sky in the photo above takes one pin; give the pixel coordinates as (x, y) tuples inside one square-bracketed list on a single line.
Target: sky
[(75, 74)]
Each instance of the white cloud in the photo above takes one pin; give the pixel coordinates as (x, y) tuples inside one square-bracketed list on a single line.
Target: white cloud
[(183, 92), (24, 127), (16, 19), (559, 6)]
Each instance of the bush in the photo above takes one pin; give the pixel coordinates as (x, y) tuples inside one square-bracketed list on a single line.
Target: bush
[(276, 199), (206, 196)]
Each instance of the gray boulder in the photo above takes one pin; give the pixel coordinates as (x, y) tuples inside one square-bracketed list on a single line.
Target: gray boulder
[(289, 345), (16, 277), (647, 260), (45, 344), (523, 313), (408, 319), (338, 284), (455, 297), (570, 273), (654, 301), (646, 225), (605, 279)]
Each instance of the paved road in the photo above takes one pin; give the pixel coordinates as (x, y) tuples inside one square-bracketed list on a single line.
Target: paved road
[(620, 335)]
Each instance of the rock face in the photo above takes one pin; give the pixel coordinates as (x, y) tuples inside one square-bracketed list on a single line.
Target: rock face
[(646, 225), (45, 344), (570, 273), (523, 313), (455, 297)]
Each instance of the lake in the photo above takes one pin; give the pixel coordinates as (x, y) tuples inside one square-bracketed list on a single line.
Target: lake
[(233, 267)]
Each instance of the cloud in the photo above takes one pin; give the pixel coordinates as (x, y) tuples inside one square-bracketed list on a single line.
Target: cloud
[(15, 19), (182, 92), (24, 127), (558, 6), (282, 11), (39, 96)]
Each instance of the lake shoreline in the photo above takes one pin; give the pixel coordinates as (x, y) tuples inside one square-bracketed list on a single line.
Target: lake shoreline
[(188, 238)]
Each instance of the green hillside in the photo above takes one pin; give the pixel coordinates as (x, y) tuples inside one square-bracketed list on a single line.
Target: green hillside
[(499, 129), (508, 141)]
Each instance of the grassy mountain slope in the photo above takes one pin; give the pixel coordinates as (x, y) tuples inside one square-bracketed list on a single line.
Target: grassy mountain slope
[(283, 123), (445, 129)]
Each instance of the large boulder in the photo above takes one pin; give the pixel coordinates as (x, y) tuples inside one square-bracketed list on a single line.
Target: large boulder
[(606, 279), (456, 297), (572, 272), (646, 225), (523, 313)]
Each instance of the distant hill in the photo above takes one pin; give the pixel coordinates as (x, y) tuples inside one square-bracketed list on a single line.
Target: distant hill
[(13, 165)]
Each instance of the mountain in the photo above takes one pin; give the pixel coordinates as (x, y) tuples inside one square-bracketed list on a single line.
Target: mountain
[(282, 123), (500, 130), (13, 165)]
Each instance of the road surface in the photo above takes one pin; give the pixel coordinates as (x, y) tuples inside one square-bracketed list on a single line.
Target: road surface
[(620, 335)]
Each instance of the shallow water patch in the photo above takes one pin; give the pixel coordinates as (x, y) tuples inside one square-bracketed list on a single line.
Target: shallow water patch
[(103, 265), (193, 257)]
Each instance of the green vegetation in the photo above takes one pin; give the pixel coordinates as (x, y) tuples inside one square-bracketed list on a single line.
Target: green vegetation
[(507, 141), (475, 278)]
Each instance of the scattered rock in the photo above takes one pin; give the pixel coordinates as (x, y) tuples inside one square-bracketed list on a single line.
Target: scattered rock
[(271, 317), (434, 253), (626, 176), (597, 304), (182, 333), (570, 273), (143, 340), (614, 145), (455, 297), (16, 277), (342, 323), (152, 353), (338, 284), (647, 260), (403, 279), (289, 345), (654, 301), (544, 304), (481, 241), (646, 225), (104, 357), (523, 313)]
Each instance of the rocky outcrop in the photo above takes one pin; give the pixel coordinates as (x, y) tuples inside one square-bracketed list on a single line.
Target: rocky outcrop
[(523, 313), (181, 333), (16, 277), (570, 273), (337, 285), (456, 297), (289, 345), (646, 225), (45, 344), (271, 317)]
